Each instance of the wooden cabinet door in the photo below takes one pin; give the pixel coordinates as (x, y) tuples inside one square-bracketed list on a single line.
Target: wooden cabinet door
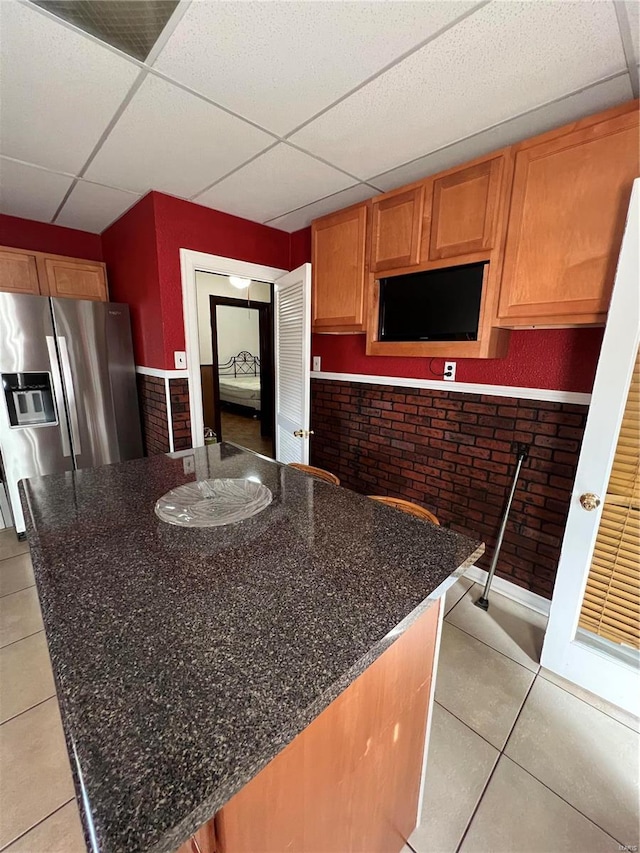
[(396, 227), (338, 264), (18, 272), (465, 207), (75, 279), (569, 202)]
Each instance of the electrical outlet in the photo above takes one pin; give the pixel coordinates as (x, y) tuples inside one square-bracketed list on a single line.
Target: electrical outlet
[(450, 371), (316, 363), (180, 360), (189, 464)]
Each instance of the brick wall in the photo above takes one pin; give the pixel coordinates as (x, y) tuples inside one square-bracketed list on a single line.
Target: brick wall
[(153, 411), (452, 452), (181, 422)]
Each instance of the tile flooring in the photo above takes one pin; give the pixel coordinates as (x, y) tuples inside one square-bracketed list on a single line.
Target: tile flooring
[(245, 430), (520, 761)]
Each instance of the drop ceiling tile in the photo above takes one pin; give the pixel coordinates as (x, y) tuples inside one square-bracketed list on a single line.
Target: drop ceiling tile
[(633, 17), (92, 207), (276, 182), (170, 140), (29, 192), (304, 216), (58, 89), (506, 58), (279, 63), (592, 100)]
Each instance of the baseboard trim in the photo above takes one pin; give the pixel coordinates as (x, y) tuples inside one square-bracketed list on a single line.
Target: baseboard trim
[(511, 590), (514, 391)]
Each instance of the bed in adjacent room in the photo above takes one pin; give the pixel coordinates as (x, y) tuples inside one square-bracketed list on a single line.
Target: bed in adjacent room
[(239, 380)]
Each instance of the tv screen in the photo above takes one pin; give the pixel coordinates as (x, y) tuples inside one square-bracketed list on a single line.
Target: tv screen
[(438, 305)]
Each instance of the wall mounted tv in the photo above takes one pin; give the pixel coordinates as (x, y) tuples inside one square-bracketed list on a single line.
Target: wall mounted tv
[(437, 305)]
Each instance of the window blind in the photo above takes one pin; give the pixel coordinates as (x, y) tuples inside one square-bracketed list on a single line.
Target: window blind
[(611, 605)]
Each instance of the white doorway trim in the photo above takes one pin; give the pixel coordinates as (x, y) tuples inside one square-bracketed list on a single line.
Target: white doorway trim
[(192, 262)]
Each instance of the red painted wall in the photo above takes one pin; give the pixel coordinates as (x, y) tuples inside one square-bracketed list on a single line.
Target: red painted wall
[(42, 237), (130, 252), (300, 248), (559, 359), (184, 225)]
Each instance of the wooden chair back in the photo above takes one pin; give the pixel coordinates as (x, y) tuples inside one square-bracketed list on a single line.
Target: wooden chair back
[(406, 506), (318, 473)]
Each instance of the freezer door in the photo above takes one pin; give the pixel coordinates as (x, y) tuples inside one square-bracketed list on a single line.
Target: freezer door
[(34, 435), (98, 374)]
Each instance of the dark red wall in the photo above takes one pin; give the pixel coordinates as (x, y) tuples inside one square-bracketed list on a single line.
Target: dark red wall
[(560, 359), (184, 225), (130, 252), (300, 248), (42, 237)]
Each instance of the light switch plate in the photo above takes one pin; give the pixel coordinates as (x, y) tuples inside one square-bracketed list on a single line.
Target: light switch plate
[(316, 363), (180, 360)]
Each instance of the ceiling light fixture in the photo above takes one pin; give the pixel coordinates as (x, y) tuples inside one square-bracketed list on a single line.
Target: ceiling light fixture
[(239, 282)]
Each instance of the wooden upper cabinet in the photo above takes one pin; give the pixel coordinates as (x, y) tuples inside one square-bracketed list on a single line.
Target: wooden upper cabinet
[(339, 243), (75, 279), (569, 203), (396, 227), (465, 208), (18, 272)]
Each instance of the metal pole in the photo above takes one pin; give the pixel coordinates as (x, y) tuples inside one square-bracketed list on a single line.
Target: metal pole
[(483, 601)]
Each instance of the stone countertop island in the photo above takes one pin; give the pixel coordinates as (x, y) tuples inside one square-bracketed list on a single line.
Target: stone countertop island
[(187, 659)]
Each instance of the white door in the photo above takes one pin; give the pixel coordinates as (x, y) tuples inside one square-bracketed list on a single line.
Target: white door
[(573, 653), (292, 358)]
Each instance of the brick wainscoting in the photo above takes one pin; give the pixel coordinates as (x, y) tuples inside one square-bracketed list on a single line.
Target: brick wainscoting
[(453, 453), (153, 411), (181, 422)]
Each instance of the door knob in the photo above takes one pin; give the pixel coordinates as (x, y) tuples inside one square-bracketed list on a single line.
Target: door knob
[(303, 433), (589, 501)]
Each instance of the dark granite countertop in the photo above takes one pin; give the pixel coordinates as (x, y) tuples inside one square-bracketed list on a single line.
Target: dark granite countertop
[(186, 659)]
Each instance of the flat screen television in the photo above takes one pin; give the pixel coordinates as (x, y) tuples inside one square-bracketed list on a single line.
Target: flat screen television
[(438, 305)]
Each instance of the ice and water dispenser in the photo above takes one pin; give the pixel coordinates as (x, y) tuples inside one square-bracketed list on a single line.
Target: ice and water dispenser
[(29, 399)]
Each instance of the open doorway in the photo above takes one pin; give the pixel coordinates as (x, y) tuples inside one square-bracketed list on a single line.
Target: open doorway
[(235, 318)]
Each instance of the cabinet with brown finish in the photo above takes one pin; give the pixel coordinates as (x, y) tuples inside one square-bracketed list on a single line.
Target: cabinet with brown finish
[(339, 264), (396, 228), (41, 274), (570, 197), (465, 210), (18, 271)]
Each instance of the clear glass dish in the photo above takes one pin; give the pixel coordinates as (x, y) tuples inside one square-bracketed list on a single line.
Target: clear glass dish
[(213, 503)]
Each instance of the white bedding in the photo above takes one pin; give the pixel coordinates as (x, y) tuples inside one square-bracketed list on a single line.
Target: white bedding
[(241, 390)]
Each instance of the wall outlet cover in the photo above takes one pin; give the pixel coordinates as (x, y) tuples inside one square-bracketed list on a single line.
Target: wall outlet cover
[(316, 363), (449, 371), (180, 360)]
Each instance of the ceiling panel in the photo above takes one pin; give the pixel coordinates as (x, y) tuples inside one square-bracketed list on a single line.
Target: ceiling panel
[(279, 63), (504, 59), (592, 100), (304, 216), (30, 193), (92, 207), (172, 141), (58, 89), (633, 17), (278, 181)]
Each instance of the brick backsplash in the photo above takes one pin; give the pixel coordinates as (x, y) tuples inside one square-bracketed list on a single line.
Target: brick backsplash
[(452, 452), (153, 410), (181, 422)]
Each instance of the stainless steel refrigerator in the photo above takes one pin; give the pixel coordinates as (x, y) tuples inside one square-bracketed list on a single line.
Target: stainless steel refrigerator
[(69, 397)]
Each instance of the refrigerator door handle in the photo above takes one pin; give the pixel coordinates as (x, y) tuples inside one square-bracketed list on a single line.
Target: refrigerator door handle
[(59, 395), (71, 394)]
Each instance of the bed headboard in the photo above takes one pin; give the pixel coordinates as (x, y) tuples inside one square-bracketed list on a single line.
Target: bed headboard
[(243, 364)]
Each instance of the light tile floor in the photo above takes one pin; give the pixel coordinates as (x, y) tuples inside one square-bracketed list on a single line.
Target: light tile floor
[(520, 761)]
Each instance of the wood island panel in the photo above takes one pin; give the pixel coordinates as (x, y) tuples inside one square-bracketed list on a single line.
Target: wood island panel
[(350, 781)]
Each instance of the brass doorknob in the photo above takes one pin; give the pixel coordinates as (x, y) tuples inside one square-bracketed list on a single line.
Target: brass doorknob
[(303, 433), (589, 501)]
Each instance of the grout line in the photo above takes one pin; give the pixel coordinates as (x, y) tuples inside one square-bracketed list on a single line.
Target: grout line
[(515, 722), (533, 672), (26, 637), (54, 695), (13, 556), (466, 725), (477, 805), (42, 820), (586, 702), (22, 589), (391, 65), (624, 26)]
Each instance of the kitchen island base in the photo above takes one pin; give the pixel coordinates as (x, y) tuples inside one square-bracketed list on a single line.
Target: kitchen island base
[(350, 782)]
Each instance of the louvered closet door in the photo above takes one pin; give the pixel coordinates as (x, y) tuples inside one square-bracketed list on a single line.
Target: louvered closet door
[(611, 606), (293, 356)]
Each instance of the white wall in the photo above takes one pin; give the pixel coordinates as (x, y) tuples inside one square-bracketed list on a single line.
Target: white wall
[(211, 284), (238, 330)]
